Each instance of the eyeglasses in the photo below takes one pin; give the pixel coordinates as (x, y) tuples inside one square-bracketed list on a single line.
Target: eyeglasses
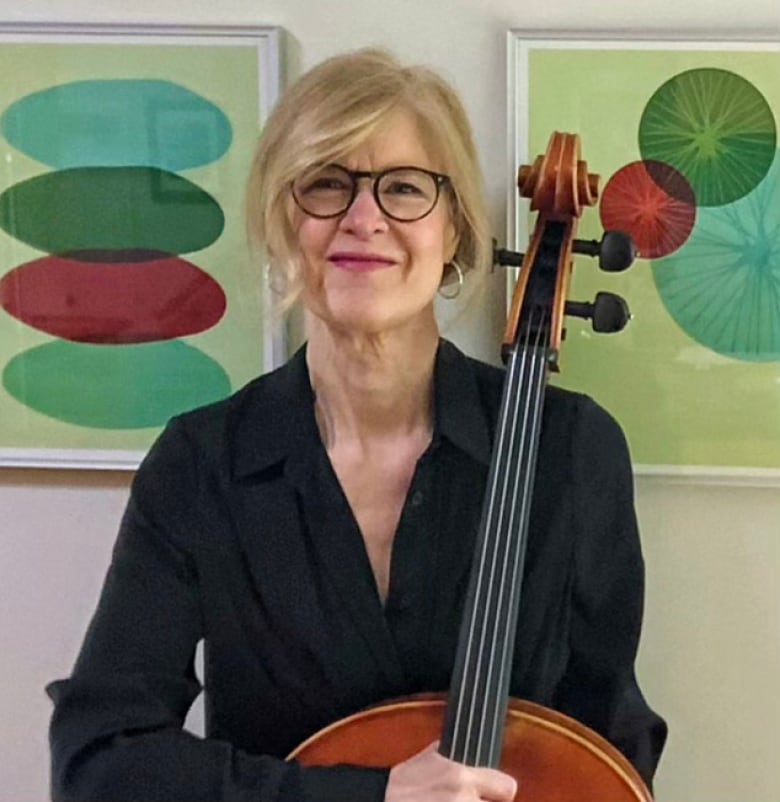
[(402, 193)]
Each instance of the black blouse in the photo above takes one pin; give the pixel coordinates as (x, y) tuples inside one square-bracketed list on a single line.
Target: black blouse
[(238, 533)]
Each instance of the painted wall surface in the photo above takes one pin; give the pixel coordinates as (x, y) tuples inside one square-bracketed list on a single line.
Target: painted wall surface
[(710, 655)]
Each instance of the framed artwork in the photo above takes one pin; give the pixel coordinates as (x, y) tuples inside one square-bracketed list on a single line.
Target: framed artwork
[(127, 293), (684, 134)]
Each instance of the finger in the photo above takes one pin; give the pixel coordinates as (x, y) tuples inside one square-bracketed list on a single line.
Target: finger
[(495, 785)]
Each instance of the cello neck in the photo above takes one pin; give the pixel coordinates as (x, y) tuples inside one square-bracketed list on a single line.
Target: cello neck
[(478, 695)]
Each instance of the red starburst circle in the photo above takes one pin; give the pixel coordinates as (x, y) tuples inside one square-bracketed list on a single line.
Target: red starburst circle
[(652, 202)]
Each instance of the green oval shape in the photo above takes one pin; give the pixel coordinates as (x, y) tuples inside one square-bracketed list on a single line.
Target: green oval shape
[(88, 208), (114, 387)]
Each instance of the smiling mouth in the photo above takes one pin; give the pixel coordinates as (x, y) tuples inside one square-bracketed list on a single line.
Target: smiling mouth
[(360, 263)]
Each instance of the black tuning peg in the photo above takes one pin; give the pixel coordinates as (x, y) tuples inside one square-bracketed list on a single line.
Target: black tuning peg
[(502, 256), (616, 251), (608, 312)]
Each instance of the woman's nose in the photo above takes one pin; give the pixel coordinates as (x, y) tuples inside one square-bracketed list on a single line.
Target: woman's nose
[(364, 215)]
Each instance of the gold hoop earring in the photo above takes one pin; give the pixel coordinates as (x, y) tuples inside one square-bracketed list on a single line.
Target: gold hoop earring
[(450, 295)]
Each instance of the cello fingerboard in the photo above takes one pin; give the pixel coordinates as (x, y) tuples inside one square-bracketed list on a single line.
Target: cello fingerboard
[(478, 696)]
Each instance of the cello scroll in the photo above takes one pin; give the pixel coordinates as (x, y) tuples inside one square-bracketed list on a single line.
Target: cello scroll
[(559, 186)]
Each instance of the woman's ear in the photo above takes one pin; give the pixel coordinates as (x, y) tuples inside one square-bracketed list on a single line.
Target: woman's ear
[(451, 241)]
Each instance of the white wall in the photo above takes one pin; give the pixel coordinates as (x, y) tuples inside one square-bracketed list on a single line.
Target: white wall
[(710, 657)]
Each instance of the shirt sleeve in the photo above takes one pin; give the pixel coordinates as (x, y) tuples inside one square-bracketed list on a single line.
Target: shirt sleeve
[(599, 687), (116, 731)]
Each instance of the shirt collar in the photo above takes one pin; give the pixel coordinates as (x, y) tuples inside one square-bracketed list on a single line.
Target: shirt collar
[(273, 416), (461, 414)]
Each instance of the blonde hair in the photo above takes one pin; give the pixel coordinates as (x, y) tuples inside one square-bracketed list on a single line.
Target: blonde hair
[(329, 112)]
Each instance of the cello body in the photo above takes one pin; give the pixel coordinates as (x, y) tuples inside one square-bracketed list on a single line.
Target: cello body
[(553, 757)]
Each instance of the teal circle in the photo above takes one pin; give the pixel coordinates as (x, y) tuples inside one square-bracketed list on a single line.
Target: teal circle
[(723, 286)]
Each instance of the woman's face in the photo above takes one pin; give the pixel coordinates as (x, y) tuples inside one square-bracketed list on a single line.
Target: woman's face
[(364, 272)]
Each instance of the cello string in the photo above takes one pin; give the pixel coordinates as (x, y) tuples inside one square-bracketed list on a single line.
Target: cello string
[(496, 527), (467, 683), (516, 545), (483, 700), (507, 549), (489, 613)]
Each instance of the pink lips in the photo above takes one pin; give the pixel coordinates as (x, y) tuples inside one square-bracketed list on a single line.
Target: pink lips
[(359, 262)]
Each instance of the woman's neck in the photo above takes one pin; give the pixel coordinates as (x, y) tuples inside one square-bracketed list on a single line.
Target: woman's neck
[(370, 387)]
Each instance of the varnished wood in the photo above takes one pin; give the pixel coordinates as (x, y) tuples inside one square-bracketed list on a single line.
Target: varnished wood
[(553, 757), (559, 186)]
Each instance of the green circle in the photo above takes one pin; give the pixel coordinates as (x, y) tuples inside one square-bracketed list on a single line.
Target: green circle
[(716, 128)]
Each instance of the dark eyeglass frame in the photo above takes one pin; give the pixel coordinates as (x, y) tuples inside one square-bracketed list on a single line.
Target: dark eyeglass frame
[(439, 180)]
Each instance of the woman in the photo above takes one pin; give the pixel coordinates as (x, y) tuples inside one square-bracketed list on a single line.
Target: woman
[(315, 530)]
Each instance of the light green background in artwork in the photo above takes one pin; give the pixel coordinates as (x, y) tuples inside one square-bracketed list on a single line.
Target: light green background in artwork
[(680, 403), (226, 75)]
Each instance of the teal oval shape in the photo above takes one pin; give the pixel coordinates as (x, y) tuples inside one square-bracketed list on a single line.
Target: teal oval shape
[(112, 123), (112, 208), (114, 387)]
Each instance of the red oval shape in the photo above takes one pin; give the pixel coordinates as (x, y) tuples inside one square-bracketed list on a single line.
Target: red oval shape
[(113, 302)]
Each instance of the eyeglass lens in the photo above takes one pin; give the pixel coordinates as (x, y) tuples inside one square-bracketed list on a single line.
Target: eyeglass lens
[(404, 193)]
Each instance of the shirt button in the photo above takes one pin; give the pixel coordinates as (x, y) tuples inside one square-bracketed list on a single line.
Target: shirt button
[(417, 498)]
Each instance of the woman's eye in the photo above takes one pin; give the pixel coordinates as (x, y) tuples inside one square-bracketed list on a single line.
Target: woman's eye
[(325, 184), (403, 188)]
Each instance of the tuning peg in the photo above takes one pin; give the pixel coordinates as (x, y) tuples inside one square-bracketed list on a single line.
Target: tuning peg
[(616, 251), (608, 312), (501, 256)]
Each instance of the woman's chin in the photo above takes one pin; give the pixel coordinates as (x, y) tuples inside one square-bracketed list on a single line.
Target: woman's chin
[(370, 319)]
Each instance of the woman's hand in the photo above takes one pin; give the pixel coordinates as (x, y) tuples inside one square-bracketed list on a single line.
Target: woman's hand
[(431, 777)]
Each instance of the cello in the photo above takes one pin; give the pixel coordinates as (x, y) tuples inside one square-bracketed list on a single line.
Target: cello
[(553, 757)]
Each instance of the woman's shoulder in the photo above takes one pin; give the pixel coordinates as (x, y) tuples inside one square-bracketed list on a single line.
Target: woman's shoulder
[(572, 421), (250, 426), (559, 401), (278, 387)]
